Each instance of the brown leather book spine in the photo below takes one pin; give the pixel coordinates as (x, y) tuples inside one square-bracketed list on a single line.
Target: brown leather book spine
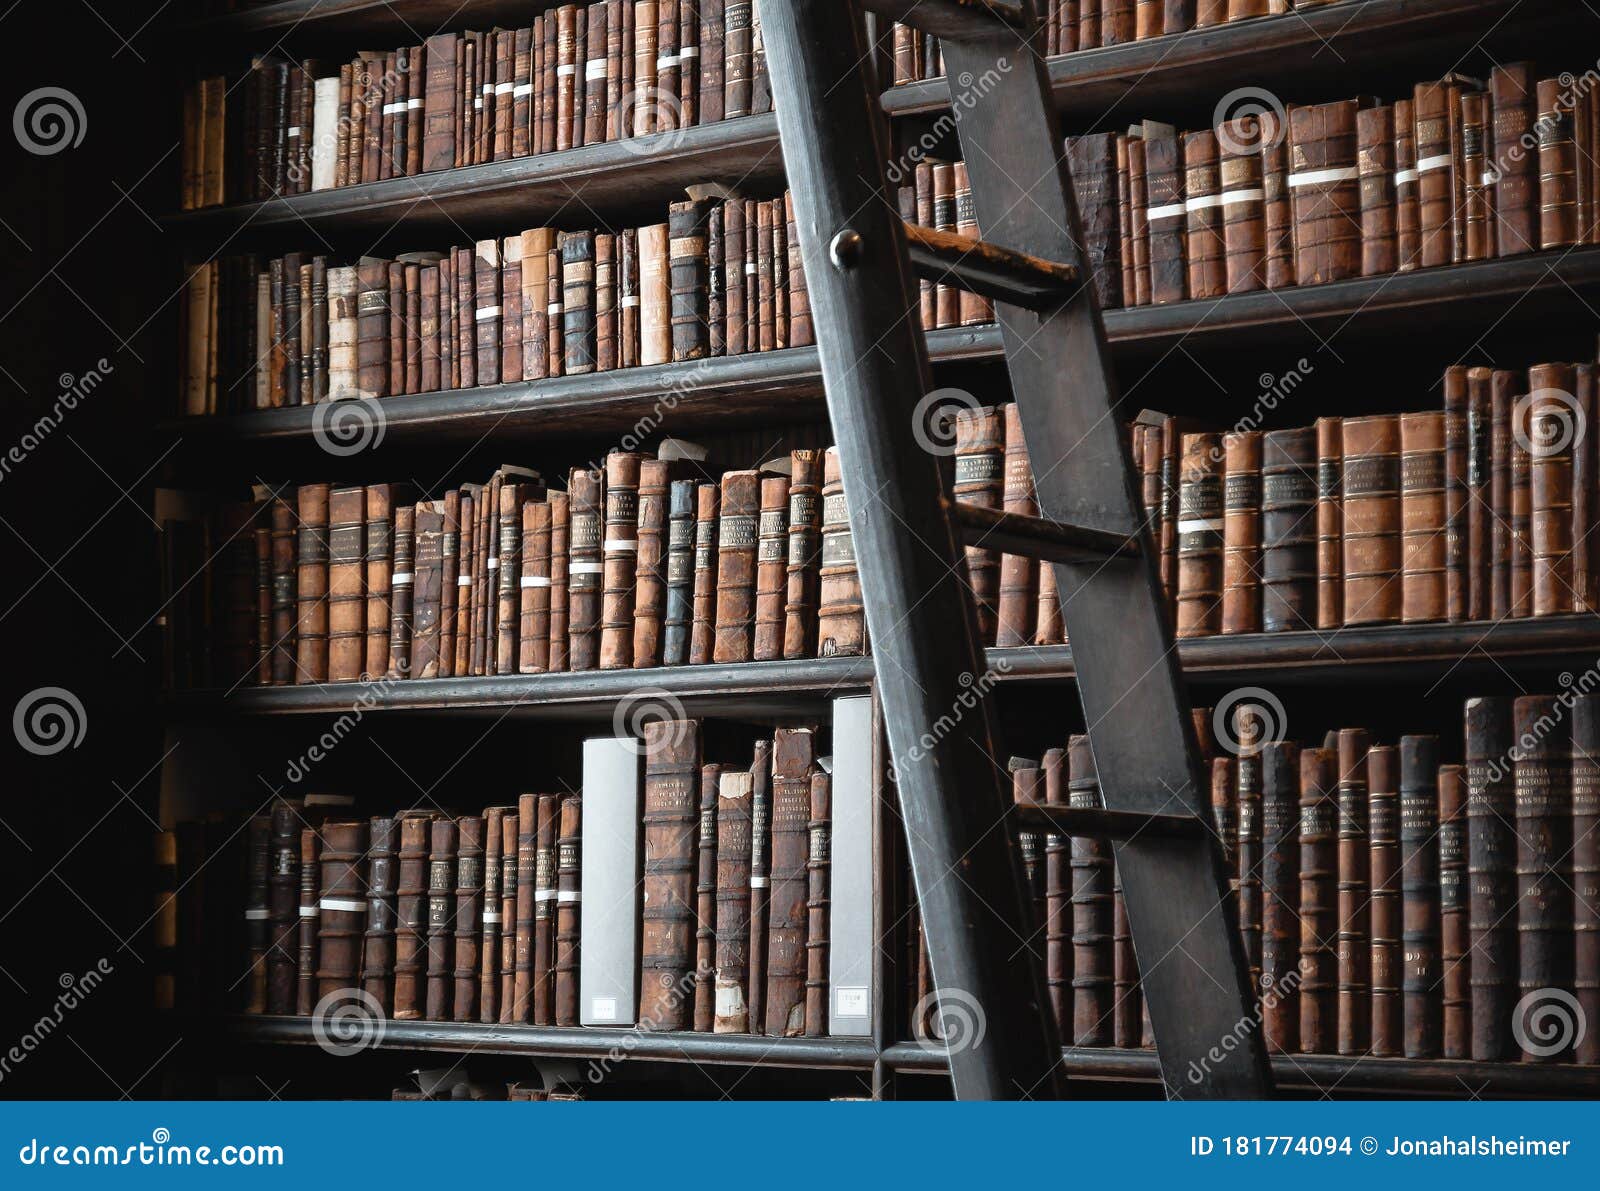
[(680, 572), (518, 1006), (1586, 870), (1475, 494), (1048, 626), (1513, 100), (1355, 895), (1243, 204), (1164, 215), (378, 952), (1478, 206), (578, 346), (1139, 219), (485, 576), (1207, 250), (705, 935), (427, 590), (545, 882), (1375, 163), (1491, 874), (1280, 892), (1017, 606), (586, 568), (841, 624), (593, 68), (1200, 520), (258, 864), (1089, 22), (946, 298), (1542, 771), (760, 881), (511, 316), (343, 908), (1501, 384), (1383, 819), (793, 763), (1558, 166), (1319, 911), (441, 917), (803, 554), (671, 824), (736, 332), (569, 897), (309, 916), (1585, 486), (379, 563), (734, 835), (1521, 539), (1407, 189), (1288, 529), (737, 542), (1093, 962), (688, 278), (469, 544), (1279, 217), (1371, 516), (1324, 185), (650, 594), (1455, 960), (505, 580), (1552, 443), (1457, 576), (1117, 23), (771, 567), (506, 962), (1179, 16), (265, 646), (1422, 517), (411, 917), (1148, 15), (1419, 894), (973, 309), (1241, 532), (311, 583), (979, 480), (467, 920), (536, 251), (464, 322), (450, 569), (283, 920), (439, 102), (1248, 800), (560, 579), (620, 546), (1095, 180), (708, 500), (488, 976), (566, 76), (1057, 897), (1124, 225), (1436, 211), (819, 841), (486, 311), (716, 282)]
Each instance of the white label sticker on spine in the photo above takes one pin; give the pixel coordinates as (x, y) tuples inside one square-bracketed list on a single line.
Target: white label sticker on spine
[(1437, 162), (491, 917), (1401, 177), (488, 312), (255, 915), (594, 69), (569, 897), (536, 581), (494, 563), (586, 568), (759, 882), (310, 912), (413, 104), (347, 905), (1319, 177), (463, 580), (569, 68), (629, 302), (850, 1001), (1170, 211), (521, 89), (544, 895), (503, 88), (1199, 525), (603, 1008), (621, 546), (1252, 195), (1204, 203), (402, 578)]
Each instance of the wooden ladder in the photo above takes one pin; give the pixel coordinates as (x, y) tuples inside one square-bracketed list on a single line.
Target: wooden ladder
[(861, 263)]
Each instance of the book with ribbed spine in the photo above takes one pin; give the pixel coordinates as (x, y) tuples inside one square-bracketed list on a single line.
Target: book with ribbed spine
[(671, 829)]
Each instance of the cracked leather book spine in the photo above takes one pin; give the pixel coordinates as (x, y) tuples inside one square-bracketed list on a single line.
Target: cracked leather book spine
[(772, 533), (488, 974), (533, 594), (1550, 486), (258, 866), (411, 917), (1383, 827), (1319, 908), (519, 1001), (1288, 529), (378, 950), (1093, 161), (1558, 166), (1513, 100), (1325, 192), (1419, 895), (1407, 189), (737, 543), (1278, 221), (560, 567), (1019, 574), (1375, 166), (1435, 211), (510, 866), (1057, 897), (1542, 772), (343, 907), (1093, 959), (427, 590), (688, 278), (1243, 204), (1478, 202), (402, 593), (569, 910), (311, 583), (1249, 804), (545, 895), (805, 541), (585, 568), (1165, 212), (705, 933), (620, 554), (793, 762), (283, 892), (730, 1008), (378, 560), (671, 826), (760, 881), (1202, 204), (1479, 468), (1355, 894), (1454, 958), (650, 591), (1456, 450), (1280, 895)]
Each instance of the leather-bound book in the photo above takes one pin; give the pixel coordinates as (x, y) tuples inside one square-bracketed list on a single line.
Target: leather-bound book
[(771, 567), (1124, 224), (1376, 167), (1551, 442), (1200, 536), (1476, 497), (265, 646), (737, 67), (258, 866), (450, 571), (1520, 545), (1456, 576), (1478, 207), (1089, 22), (1048, 627), (537, 245), (427, 590), (793, 762), (737, 542), (946, 297), (1279, 220), (1207, 251), (457, 643), (818, 850), (1249, 851), (1243, 210), (566, 77), (402, 603), (343, 907), (1491, 874), (1586, 870), (311, 583), (486, 311), (1501, 386), (734, 836), (377, 571), (283, 919), (1422, 517), (1093, 161), (585, 568), (1057, 896), (1093, 951), (1288, 529), (488, 995), (542, 970), (309, 917), (841, 625), (1164, 182), (1319, 910), (1383, 819), (979, 480), (505, 962), (1407, 189), (1280, 895), (671, 824), (1330, 528), (1148, 18), (569, 909), (1419, 895), (560, 566), (620, 559), (716, 282), (594, 73), (703, 606), (500, 656), (655, 295), (511, 320), (441, 917), (411, 917), (1513, 99), (1542, 765), (1355, 892), (1435, 190), (736, 330), (1019, 575), (518, 1002), (760, 881), (705, 891), (1372, 514), (1585, 483), (577, 303), (463, 269), (689, 267), (1138, 229), (650, 592), (1558, 166), (1225, 812), (805, 538), (1324, 185), (440, 98), (378, 951), (712, 34), (680, 573), (1117, 21), (1179, 16), (973, 308), (1455, 959)]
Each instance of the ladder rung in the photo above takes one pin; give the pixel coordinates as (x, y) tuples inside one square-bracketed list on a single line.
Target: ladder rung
[(1035, 537), (959, 19), (987, 269), (1118, 825)]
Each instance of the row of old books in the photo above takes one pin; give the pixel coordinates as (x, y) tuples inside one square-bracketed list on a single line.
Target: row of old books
[(635, 565), (577, 75), (668, 893), (1070, 25), (717, 278)]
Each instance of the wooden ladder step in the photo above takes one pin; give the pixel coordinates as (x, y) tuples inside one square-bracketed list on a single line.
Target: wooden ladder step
[(1036, 537), (1000, 274), (958, 19)]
